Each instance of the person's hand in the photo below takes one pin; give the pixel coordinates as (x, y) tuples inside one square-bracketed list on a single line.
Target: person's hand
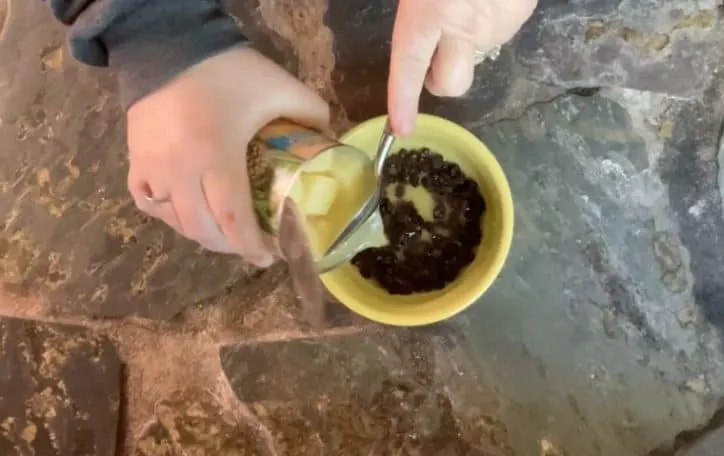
[(187, 143), (434, 44)]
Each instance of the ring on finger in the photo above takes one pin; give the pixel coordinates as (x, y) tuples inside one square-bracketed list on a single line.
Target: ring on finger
[(149, 196), (155, 200), (481, 56)]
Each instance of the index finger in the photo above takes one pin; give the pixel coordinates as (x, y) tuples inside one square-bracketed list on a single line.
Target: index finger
[(414, 40)]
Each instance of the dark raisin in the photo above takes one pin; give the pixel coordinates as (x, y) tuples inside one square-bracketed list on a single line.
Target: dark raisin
[(394, 231), (424, 161), (439, 212), (407, 214), (450, 250), (413, 235), (466, 188), (448, 270), (442, 230), (467, 256), (393, 159), (405, 288), (386, 258), (436, 161), (365, 262), (437, 182), (469, 212), (399, 190), (425, 181), (385, 207), (366, 270), (452, 170), (473, 234), (391, 171), (395, 288), (414, 179), (455, 204), (477, 204)]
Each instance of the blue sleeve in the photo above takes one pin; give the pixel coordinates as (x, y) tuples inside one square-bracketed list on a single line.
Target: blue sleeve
[(147, 42)]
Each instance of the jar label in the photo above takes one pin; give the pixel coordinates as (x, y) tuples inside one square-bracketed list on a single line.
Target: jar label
[(294, 139)]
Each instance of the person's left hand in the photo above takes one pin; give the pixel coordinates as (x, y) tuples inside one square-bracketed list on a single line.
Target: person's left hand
[(435, 42)]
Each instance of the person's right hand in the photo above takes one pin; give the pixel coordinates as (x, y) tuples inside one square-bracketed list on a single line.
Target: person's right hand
[(187, 144), (434, 44)]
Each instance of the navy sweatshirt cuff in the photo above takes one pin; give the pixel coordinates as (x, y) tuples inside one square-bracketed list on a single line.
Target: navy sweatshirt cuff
[(151, 46)]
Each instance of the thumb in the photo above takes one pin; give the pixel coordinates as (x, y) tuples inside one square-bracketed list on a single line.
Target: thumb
[(452, 69), (414, 39)]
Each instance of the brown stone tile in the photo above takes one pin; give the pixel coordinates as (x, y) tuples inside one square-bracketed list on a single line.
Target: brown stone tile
[(59, 390)]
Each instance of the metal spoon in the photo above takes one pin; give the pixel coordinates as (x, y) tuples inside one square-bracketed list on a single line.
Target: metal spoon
[(370, 206), (383, 150)]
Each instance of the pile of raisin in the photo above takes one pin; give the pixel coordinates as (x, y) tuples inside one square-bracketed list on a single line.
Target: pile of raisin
[(424, 255)]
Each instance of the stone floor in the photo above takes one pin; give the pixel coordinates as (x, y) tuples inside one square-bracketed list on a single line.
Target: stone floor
[(602, 335)]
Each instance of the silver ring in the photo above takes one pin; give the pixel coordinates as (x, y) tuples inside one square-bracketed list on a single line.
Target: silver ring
[(147, 193), (152, 200), (481, 56)]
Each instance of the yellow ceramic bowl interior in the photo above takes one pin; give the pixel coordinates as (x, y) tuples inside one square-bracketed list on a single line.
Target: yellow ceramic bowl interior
[(462, 147)]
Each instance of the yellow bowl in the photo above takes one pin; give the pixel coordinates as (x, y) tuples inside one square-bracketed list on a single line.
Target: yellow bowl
[(462, 147)]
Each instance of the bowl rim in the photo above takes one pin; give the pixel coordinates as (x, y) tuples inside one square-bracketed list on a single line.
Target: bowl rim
[(469, 295)]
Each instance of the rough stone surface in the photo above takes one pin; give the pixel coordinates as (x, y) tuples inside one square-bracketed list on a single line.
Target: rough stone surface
[(665, 47), (602, 261), (383, 392), (193, 422), (59, 390), (69, 227)]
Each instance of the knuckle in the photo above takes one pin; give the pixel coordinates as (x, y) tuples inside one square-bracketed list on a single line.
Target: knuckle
[(458, 89), (433, 89), (199, 145), (413, 61), (445, 83)]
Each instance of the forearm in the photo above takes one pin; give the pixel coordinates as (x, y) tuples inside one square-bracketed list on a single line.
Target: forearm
[(147, 42)]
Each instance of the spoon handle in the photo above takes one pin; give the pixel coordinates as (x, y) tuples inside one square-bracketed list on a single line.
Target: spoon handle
[(384, 148), (368, 208)]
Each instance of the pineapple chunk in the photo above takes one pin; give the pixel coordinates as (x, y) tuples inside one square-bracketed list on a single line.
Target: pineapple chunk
[(297, 191), (317, 231), (321, 163), (320, 193), (349, 172)]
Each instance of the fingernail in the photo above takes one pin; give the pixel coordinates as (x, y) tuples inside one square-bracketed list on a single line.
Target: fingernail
[(401, 125), (263, 261)]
